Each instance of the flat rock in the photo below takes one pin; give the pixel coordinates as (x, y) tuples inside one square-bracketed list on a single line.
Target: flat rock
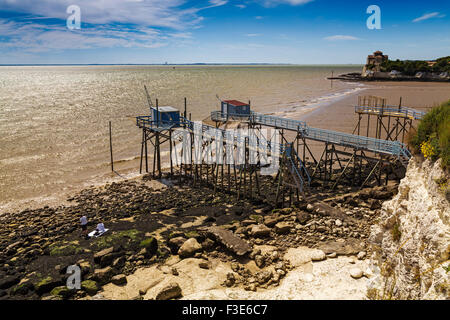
[(282, 228), (303, 255), (260, 231), (350, 246), (270, 221), (171, 291), (326, 210), (231, 241)]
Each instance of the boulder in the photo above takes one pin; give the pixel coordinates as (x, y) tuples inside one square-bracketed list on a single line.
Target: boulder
[(270, 221), (231, 241), (259, 261), (175, 243), (282, 228), (303, 217), (119, 279), (90, 287), (189, 248), (22, 288), (375, 204), (99, 255), (46, 285), (260, 231), (356, 273), (361, 255), (103, 275), (317, 255), (63, 292), (85, 267), (171, 291), (119, 262), (150, 244), (207, 244), (9, 281)]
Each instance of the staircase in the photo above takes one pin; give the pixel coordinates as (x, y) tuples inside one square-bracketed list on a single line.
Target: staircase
[(298, 172)]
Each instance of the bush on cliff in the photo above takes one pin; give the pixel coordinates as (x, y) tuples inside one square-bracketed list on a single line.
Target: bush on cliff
[(432, 138)]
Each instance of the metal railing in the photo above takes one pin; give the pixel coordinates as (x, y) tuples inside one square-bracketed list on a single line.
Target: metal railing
[(392, 111), (394, 148), (278, 122)]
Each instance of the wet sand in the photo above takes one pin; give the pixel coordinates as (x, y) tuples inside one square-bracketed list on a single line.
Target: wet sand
[(340, 115)]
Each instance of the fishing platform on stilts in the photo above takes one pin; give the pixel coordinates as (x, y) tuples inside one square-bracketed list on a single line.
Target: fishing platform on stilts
[(351, 159)]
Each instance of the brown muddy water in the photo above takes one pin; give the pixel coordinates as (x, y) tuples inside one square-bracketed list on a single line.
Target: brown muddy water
[(54, 136)]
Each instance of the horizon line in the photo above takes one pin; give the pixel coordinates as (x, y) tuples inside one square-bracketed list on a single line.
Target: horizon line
[(176, 64)]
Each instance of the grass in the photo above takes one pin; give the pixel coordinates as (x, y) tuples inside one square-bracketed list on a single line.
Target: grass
[(432, 137), (127, 239), (257, 218), (396, 233), (65, 249)]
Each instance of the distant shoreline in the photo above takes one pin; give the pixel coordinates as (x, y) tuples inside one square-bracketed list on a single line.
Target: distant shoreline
[(354, 77), (174, 65)]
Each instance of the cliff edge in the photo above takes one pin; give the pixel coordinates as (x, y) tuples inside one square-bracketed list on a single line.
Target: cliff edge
[(412, 239)]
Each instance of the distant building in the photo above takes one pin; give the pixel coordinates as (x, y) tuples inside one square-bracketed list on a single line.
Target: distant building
[(374, 62)]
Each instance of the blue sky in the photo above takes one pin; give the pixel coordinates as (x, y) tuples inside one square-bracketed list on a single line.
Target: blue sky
[(220, 31)]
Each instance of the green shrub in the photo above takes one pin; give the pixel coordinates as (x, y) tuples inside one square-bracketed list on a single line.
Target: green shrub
[(434, 131), (410, 67)]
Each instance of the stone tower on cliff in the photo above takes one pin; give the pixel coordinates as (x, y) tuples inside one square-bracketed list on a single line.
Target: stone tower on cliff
[(374, 62)]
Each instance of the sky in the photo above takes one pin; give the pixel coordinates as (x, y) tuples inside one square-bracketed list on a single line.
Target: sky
[(219, 31)]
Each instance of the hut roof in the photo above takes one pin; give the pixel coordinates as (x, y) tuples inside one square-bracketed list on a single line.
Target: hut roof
[(236, 103), (167, 109)]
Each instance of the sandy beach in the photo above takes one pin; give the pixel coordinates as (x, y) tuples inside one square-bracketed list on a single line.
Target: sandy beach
[(340, 115)]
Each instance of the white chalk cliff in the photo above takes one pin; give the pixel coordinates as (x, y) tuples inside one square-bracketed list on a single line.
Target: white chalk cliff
[(412, 238)]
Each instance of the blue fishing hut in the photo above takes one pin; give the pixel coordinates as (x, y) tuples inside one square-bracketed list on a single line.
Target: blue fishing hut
[(166, 116)]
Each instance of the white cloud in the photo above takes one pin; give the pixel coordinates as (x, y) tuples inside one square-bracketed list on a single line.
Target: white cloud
[(218, 3), (104, 23), (429, 16), (253, 34), (272, 3), (33, 37), (241, 6), (156, 13), (341, 38)]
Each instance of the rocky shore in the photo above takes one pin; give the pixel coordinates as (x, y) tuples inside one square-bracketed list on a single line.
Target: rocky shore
[(151, 223), (387, 76)]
